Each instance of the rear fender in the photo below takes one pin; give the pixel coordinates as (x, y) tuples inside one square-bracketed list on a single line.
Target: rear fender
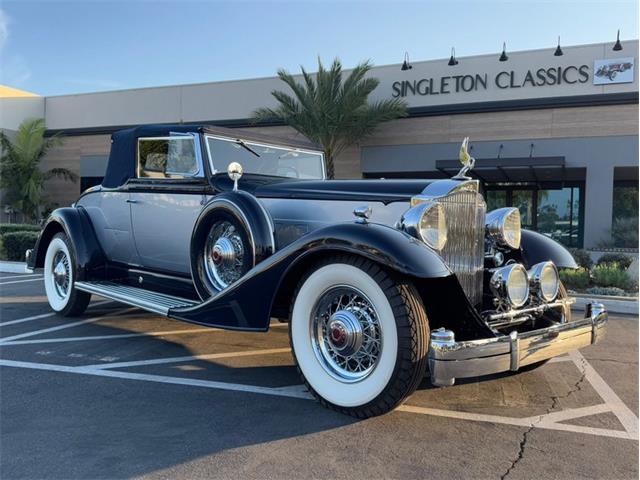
[(75, 223)]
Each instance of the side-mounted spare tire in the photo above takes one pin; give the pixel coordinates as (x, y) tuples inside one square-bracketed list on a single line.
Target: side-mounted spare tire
[(233, 233)]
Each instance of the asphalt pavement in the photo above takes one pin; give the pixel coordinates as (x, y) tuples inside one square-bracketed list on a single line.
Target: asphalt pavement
[(120, 393)]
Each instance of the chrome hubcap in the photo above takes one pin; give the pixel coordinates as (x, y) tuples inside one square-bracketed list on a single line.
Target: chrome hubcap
[(224, 255), (346, 334), (61, 273)]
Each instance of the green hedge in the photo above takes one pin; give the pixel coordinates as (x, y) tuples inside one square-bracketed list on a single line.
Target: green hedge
[(582, 257), (18, 227), (17, 243), (575, 279), (620, 258), (611, 275)]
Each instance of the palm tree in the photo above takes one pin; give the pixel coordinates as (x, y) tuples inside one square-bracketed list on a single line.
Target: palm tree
[(20, 175), (330, 111)]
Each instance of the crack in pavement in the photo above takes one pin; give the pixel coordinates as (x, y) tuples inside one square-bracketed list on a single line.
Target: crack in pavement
[(555, 401), (613, 361)]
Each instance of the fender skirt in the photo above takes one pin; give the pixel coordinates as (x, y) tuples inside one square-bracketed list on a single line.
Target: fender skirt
[(247, 304), (538, 248), (75, 223)]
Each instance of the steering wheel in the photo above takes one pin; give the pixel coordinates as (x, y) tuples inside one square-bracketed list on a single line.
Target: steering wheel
[(291, 168)]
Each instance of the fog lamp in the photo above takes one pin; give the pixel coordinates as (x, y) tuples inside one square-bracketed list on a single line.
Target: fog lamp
[(511, 284), (544, 281)]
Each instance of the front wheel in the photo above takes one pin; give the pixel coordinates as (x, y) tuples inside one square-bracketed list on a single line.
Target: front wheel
[(59, 278), (359, 336)]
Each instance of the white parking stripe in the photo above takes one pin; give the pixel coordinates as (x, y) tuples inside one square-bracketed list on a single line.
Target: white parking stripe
[(21, 276), (21, 281), (295, 391), (626, 417), (238, 387), (210, 356), (62, 327), (107, 337), (45, 315)]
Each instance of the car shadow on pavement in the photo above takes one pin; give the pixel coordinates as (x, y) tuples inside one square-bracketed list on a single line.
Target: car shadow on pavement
[(65, 425)]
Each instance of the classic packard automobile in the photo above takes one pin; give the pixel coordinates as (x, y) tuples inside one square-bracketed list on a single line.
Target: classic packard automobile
[(379, 280)]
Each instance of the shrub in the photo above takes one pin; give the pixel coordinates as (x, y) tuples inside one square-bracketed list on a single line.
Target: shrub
[(611, 275), (16, 243), (624, 232), (621, 259), (18, 227), (575, 278), (582, 258), (614, 291)]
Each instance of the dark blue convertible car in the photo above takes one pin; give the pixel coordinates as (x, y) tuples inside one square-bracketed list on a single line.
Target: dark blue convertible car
[(380, 280)]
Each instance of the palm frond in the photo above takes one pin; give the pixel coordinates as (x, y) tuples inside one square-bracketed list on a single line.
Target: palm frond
[(63, 173)]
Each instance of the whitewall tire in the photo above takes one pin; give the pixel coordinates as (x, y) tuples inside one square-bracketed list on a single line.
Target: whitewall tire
[(359, 336), (59, 278)]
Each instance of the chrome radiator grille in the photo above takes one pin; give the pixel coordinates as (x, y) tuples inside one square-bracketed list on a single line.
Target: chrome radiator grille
[(464, 251)]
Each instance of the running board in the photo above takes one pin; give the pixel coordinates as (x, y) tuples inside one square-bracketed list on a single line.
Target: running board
[(137, 297)]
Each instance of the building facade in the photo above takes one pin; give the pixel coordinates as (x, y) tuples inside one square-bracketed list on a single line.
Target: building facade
[(555, 136)]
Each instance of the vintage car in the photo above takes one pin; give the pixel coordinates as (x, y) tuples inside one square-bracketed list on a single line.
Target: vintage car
[(379, 280)]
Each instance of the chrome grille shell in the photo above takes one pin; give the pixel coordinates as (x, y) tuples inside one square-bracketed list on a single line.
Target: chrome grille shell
[(465, 211)]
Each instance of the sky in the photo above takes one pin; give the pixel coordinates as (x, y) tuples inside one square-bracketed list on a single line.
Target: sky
[(55, 47)]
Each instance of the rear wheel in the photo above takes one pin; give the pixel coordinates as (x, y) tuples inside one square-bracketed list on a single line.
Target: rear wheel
[(59, 278), (359, 336)]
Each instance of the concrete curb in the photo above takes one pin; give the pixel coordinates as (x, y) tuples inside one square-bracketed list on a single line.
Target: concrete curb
[(13, 267), (614, 304)]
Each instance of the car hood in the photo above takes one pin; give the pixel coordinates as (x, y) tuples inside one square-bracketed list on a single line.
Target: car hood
[(385, 191)]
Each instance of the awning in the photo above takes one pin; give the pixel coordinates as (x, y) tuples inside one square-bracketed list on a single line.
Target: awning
[(515, 170)]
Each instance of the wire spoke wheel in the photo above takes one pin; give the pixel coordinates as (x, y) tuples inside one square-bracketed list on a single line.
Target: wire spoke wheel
[(346, 333), (61, 274), (224, 255)]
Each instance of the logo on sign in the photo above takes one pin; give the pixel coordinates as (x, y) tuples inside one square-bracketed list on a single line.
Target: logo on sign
[(613, 70)]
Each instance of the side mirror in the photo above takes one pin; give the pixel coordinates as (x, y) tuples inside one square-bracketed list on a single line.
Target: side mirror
[(234, 170)]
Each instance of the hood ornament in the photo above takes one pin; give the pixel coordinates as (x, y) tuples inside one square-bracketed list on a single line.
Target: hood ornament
[(466, 160)]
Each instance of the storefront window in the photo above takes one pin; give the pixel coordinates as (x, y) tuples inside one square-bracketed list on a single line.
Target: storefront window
[(624, 225), (523, 201), (496, 199), (555, 215)]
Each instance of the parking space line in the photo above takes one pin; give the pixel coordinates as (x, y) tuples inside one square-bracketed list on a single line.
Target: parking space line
[(238, 387), (6, 340), (20, 281), (209, 356), (45, 315), (107, 337), (547, 421), (626, 417), (21, 276), (571, 413)]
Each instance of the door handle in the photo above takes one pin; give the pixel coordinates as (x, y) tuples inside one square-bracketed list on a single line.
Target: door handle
[(131, 201)]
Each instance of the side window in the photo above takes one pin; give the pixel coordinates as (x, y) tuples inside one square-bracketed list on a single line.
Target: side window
[(167, 158)]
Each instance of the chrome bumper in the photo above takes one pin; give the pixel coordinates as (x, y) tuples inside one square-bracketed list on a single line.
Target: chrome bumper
[(449, 359)]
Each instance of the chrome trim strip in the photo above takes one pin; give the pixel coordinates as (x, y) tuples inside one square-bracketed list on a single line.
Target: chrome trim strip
[(442, 188), (451, 360), (136, 297)]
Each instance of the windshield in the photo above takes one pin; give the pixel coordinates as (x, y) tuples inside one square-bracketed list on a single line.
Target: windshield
[(264, 159)]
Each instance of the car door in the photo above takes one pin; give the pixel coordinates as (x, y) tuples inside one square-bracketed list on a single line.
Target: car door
[(166, 199)]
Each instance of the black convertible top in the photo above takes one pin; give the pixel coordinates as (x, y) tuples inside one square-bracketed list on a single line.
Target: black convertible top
[(122, 159)]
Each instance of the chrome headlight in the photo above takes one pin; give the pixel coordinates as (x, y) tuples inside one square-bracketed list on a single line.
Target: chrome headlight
[(511, 283), (426, 222), (503, 226), (544, 281)]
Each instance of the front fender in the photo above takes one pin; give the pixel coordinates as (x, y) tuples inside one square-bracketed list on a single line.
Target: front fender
[(537, 248), (75, 223), (248, 303)]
